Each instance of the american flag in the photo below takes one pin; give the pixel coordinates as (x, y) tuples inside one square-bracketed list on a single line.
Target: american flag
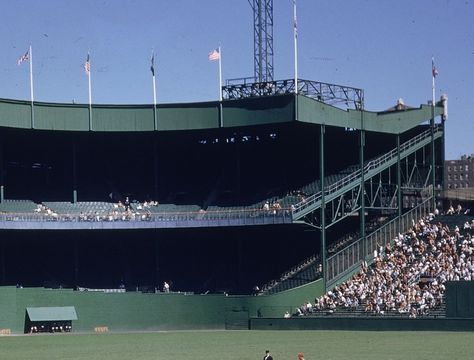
[(152, 66), (214, 55), (24, 57), (434, 70), (87, 65)]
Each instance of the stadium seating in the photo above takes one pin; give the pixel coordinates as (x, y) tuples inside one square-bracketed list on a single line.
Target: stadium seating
[(90, 207), (17, 206), (418, 260)]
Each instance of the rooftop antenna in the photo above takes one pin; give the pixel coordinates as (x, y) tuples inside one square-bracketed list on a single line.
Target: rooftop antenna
[(263, 39)]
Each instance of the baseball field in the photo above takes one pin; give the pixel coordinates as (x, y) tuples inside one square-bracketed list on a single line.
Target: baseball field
[(242, 345)]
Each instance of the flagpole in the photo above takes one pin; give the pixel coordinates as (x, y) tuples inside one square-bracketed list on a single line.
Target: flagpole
[(295, 38), (432, 125), (154, 90), (90, 95), (220, 74), (31, 89), (433, 81)]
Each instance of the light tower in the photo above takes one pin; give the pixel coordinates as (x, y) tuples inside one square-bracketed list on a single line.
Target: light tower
[(263, 39)]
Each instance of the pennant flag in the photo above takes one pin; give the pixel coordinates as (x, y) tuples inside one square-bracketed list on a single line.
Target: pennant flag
[(24, 57), (434, 70), (152, 66), (87, 65), (214, 55)]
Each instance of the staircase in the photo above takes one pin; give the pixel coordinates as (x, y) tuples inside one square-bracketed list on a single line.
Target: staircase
[(371, 169)]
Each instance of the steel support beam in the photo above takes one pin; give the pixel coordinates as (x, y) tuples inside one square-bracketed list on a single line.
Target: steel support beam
[(332, 94), (2, 180), (362, 184), (263, 39), (399, 184), (74, 172), (323, 204), (433, 157)]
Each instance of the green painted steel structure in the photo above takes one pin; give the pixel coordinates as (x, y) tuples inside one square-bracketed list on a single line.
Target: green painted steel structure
[(363, 324), (460, 299), (137, 311), (205, 115)]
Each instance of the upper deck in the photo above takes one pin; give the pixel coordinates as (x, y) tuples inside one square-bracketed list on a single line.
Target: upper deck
[(205, 115)]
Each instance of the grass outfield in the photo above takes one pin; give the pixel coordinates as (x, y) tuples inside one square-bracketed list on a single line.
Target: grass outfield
[(242, 345)]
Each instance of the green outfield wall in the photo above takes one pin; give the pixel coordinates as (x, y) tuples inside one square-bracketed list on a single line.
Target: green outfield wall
[(374, 323), (138, 312), (460, 299)]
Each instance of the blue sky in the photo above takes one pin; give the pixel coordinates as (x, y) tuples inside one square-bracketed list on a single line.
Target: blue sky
[(382, 46)]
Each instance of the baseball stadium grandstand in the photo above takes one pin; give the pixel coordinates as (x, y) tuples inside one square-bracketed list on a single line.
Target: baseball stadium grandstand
[(212, 198), (227, 214)]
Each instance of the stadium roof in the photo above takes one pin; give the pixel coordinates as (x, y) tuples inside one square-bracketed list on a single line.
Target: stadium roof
[(62, 313), (204, 115)]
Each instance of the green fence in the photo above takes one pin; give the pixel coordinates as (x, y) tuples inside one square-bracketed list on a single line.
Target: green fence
[(135, 311), (460, 299)]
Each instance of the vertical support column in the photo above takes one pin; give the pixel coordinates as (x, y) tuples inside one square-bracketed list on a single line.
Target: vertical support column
[(2, 262), (443, 153), (362, 183), (74, 173), (76, 262), (155, 167), (433, 158), (323, 205), (399, 185), (221, 113), (157, 264), (2, 184), (296, 107), (155, 122)]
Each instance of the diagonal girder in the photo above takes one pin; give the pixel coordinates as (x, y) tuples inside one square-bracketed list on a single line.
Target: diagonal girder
[(371, 169)]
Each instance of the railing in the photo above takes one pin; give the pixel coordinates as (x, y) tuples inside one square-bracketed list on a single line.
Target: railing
[(356, 175), (302, 265), (349, 258), (328, 93), (248, 216), (241, 81)]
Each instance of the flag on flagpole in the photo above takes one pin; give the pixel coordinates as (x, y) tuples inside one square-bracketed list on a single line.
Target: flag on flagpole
[(214, 55), (152, 66), (24, 57), (434, 70), (295, 22), (295, 45), (87, 65)]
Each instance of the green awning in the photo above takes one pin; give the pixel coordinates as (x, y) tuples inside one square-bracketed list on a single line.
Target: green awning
[(52, 313)]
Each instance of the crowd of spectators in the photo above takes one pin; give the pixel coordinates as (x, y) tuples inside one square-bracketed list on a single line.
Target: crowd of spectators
[(409, 276), (314, 260), (121, 211)]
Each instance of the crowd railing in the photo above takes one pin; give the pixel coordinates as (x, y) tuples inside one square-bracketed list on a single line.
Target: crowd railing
[(350, 257), (248, 215)]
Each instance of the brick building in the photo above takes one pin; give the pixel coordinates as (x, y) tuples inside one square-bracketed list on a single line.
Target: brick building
[(459, 173)]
